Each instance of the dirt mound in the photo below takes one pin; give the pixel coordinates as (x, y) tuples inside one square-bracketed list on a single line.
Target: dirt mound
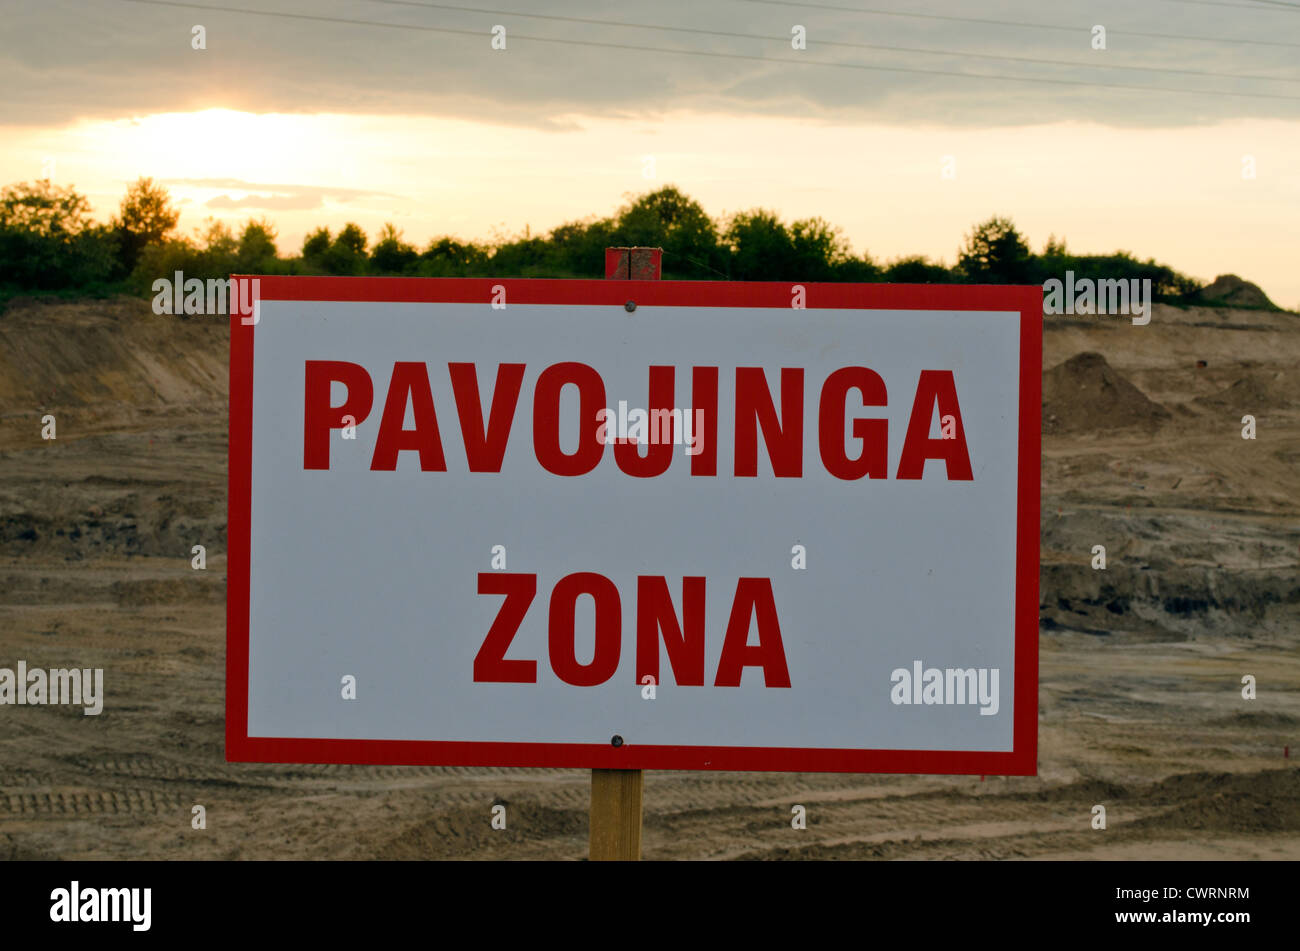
[(1266, 801), (1254, 393), (468, 832), (104, 365), (1086, 394), (1228, 290)]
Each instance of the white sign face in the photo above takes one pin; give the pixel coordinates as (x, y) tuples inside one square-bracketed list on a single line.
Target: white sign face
[(513, 523)]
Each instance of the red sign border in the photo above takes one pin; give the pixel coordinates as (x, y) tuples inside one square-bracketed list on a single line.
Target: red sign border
[(1022, 760)]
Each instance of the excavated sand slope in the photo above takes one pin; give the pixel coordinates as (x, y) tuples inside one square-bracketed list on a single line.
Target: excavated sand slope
[(1140, 701)]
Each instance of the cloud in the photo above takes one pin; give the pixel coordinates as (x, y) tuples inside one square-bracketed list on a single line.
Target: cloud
[(269, 202), (240, 184), (123, 58), (273, 197)]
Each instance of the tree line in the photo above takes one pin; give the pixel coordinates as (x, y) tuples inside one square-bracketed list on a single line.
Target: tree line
[(49, 243)]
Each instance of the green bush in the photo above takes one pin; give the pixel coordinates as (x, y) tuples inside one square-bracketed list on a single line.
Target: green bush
[(47, 242), (918, 269)]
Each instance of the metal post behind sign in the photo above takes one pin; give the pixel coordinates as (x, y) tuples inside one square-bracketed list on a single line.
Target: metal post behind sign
[(615, 818)]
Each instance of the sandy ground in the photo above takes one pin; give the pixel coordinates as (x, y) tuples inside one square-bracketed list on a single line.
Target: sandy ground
[(1141, 664)]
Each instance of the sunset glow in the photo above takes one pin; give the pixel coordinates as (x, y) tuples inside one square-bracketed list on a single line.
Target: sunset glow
[(475, 180)]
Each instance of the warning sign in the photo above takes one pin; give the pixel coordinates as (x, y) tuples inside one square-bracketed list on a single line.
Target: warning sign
[(635, 524)]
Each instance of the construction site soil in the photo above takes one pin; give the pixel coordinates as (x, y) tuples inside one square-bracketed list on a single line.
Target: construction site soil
[(1140, 704)]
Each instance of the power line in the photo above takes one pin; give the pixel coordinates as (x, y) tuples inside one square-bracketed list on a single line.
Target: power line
[(847, 45), (804, 61), (1031, 26), (1252, 5), (304, 16)]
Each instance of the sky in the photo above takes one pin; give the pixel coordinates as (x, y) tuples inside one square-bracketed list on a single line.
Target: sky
[(903, 124)]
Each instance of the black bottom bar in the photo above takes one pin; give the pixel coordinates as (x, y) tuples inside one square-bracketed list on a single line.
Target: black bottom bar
[(984, 903)]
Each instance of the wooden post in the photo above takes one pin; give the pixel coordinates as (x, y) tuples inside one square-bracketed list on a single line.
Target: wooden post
[(615, 815), (615, 818)]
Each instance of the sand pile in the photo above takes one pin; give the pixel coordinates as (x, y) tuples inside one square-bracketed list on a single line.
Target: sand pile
[(1228, 290), (1267, 801), (1086, 394), (1255, 394)]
